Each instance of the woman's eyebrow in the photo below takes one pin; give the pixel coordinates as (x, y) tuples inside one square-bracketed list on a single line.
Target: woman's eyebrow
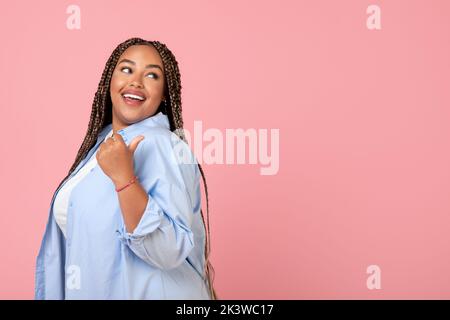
[(146, 67)]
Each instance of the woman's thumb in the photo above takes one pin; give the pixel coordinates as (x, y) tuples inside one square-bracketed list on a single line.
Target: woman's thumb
[(133, 145)]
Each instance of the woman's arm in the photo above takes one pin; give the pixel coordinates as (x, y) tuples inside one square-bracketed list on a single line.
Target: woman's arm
[(163, 237), (133, 200), (116, 160)]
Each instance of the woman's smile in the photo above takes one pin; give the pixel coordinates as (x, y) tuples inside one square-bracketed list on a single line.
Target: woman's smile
[(132, 101), (133, 97)]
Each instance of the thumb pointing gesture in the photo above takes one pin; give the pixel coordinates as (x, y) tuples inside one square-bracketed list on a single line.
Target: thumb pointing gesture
[(133, 144)]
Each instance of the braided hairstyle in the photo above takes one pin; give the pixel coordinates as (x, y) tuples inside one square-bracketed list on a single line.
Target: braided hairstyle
[(101, 116)]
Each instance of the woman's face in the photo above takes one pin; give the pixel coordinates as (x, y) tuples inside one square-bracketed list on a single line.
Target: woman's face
[(137, 85)]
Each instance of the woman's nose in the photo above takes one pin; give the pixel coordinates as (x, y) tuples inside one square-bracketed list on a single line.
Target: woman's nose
[(136, 84), (136, 81)]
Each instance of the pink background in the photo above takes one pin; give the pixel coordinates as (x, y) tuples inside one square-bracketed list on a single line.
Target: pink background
[(363, 115)]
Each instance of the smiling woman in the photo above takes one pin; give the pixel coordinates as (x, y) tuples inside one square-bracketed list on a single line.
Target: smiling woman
[(126, 222), (137, 85)]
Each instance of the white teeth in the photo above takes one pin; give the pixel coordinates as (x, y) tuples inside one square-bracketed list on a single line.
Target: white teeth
[(133, 96)]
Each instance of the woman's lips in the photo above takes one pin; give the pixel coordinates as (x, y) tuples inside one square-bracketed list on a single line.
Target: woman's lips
[(132, 102)]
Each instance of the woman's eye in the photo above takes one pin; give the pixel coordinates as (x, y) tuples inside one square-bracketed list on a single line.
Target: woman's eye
[(125, 68), (154, 74)]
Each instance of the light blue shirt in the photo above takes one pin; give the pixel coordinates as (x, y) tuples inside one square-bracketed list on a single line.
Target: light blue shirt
[(164, 256)]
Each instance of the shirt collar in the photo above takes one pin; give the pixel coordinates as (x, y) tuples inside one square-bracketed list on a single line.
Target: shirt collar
[(158, 120)]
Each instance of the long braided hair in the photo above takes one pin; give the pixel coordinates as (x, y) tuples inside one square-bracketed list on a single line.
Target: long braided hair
[(101, 116)]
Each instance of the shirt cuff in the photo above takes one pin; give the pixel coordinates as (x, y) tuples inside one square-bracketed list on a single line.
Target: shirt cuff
[(150, 221)]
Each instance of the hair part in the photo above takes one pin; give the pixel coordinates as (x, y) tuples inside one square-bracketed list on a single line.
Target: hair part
[(101, 116)]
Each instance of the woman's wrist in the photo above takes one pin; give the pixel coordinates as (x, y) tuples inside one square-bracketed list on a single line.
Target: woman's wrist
[(129, 183), (123, 183)]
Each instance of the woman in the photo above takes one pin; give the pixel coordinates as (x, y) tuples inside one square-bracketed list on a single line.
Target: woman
[(126, 222)]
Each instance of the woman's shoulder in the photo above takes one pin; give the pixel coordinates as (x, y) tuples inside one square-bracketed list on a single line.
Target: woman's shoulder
[(168, 143), (165, 149)]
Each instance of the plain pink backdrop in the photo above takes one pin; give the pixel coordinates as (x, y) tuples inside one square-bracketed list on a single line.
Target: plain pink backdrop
[(364, 117)]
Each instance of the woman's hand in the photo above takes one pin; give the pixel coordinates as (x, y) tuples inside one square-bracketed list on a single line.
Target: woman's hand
[(116, 158)]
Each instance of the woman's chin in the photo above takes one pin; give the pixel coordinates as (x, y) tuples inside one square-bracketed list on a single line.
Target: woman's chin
[(130, 114)]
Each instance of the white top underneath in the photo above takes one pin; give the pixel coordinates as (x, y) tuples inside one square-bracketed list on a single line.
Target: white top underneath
[(61, 203)]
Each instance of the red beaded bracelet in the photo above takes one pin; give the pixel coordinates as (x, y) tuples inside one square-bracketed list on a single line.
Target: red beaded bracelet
[(128, 184)]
